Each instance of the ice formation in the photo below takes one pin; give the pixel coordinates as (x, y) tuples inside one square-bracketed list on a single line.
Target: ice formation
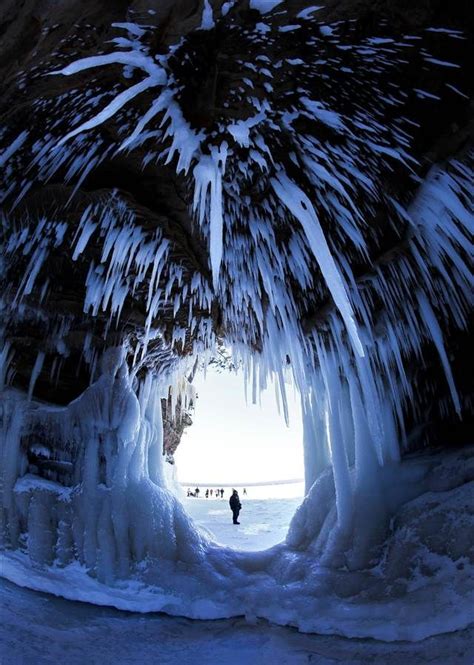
[(86, 483)]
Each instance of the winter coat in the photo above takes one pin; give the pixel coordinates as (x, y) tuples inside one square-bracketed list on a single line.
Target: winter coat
[(234, 502)]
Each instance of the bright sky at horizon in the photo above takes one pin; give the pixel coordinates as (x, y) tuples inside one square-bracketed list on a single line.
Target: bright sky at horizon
[(231, 441)]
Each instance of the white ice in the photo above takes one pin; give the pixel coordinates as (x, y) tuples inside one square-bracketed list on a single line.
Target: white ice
[(264, 6), (45, 630), (263, 522)]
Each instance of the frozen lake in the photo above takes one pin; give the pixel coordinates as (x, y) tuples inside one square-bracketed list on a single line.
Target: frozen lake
[(263, 522)]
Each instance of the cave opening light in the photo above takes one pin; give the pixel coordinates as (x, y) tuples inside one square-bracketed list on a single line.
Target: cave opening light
[(240, 438)]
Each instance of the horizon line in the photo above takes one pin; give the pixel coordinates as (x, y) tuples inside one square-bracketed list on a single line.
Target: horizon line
[(251, 484)]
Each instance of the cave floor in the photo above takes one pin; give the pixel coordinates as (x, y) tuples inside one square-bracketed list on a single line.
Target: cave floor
[(39, 629)]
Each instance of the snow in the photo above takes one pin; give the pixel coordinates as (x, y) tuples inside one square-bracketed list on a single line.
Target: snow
[(31, 483), (45, 630), (263, 522)]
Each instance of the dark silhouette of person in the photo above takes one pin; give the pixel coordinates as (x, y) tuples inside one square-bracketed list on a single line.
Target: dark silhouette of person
[(245, 492), (222, 493), (207, 494), (235, 506), (196, 492)]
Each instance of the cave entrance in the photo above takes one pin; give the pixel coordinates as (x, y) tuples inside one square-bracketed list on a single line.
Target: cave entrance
[(234, 443)]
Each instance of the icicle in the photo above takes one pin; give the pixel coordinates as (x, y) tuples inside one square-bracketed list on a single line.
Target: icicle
[(207, 22), (208, 173), (35, 372), (6, 356), (300, 206), (434, 331)]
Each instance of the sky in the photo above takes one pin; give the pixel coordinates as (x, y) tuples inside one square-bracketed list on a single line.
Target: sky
[(231, 441)]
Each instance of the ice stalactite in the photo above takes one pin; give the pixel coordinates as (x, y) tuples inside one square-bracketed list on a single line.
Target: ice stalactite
[(37, 367), (208, 175), (113, 508), (207, 16), (301, 208), (436, 335)]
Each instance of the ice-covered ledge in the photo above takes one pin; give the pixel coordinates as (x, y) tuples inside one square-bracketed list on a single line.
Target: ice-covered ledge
[(31, 483)]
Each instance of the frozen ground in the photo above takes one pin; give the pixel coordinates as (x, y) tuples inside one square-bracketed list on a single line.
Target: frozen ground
[(263, 523), (38, 629), (422, 586)]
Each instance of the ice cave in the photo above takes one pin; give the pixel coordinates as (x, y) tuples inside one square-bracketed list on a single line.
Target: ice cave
[(287, 181)]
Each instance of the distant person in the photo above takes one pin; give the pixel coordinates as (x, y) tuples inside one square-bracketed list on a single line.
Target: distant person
[(222, 493), (210, 492), (196, 492), (235, 506), (245, 492), (207, 494)]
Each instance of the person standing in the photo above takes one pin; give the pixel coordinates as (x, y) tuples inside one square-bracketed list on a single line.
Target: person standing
[(235, 506)]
